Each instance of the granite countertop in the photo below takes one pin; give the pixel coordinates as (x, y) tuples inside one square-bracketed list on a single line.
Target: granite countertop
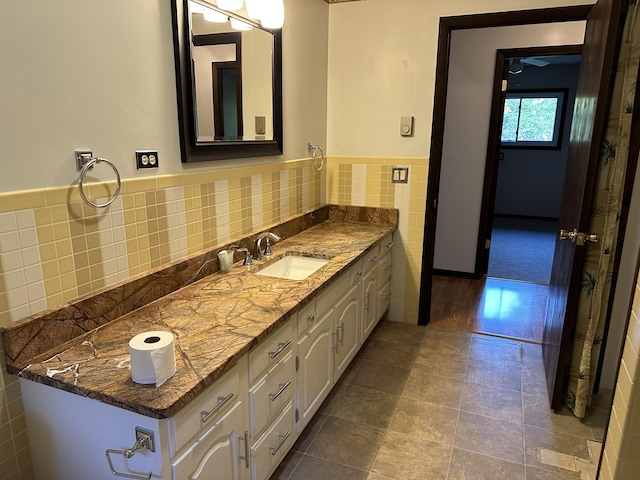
[(215, 321)]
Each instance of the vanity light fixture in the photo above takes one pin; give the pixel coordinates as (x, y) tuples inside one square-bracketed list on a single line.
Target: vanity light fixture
[(215, 17), (239, 25), (231, 5), (255, 8), (273, 14)]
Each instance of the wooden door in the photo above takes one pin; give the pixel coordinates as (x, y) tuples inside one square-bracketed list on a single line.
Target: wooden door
[(602, 40)]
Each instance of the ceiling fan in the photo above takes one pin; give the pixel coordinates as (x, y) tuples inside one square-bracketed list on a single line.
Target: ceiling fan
[(516, 65)]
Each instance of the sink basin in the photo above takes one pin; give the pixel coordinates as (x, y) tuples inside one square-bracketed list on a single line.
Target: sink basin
[(293, 267)]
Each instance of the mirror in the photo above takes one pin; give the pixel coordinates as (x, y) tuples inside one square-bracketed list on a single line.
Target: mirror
[(229, 87)]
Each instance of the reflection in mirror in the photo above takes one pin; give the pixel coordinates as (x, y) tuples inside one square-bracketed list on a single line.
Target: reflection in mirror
[(229, 84)]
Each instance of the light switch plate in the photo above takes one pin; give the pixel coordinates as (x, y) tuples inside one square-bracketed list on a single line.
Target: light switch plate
[(406, 125)]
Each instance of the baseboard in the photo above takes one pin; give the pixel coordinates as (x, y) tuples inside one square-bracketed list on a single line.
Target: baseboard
[(525, 217), (452, 273)]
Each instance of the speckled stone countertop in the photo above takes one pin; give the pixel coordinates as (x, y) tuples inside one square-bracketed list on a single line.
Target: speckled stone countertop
[(215, 321)]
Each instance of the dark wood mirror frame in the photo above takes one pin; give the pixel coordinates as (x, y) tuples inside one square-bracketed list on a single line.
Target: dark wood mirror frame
[(217, 150)]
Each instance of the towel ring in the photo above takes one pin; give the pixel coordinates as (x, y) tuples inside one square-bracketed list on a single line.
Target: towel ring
[(83, 172), (314, 149)]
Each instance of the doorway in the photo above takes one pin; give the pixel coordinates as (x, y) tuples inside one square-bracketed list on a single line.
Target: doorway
[(526, 162)]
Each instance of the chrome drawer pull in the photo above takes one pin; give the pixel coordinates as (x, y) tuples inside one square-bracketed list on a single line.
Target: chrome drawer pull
[(341, 336), (283, 387), (389, 245), (221, 401), (144, 439), (246, 448), (375, 259), (311, 318), (281, 347), (283, 438)]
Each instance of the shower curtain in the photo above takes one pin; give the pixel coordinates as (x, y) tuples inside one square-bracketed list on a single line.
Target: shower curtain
[(598, 266)]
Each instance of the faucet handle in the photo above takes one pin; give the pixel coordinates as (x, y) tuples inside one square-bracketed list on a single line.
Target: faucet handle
[(267, 248), (247, 256)]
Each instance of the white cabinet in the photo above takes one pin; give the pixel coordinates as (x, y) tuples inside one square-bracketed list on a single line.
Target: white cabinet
[(220, 453), (369, 302), (347, 330)]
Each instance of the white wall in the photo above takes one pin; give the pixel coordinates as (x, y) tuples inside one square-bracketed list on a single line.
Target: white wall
[(91, 76), (471, 76), (530, 181)]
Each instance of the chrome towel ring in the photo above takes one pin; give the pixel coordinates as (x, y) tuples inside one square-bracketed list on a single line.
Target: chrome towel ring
[(314, 149), (83, 172)]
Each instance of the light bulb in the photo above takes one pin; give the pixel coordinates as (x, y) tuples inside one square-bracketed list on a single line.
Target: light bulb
[(231, 5), (214, 17), (273, 14), (255, 8), (196, 7), (238, 25)]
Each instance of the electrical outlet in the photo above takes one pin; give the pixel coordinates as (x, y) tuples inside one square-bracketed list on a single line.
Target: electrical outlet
[(146, 159)]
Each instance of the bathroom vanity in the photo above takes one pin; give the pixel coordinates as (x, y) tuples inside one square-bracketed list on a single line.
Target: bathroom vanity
[(256, 356)]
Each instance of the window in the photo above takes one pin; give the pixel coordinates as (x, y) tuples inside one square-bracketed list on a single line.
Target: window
[(532, 119)]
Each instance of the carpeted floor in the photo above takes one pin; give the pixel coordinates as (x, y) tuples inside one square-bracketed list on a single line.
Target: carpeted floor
[(522, 249)]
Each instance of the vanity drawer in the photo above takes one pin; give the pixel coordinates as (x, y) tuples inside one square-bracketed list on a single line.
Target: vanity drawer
[(384, 268), (386, 244), (370, 259), (273, 445), (271, 392), (306, 317), (270, 351), (384, 297), (208, 407), (332, 294), (356, 272)]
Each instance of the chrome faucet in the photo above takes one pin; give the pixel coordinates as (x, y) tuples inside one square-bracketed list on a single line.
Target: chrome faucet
[(267, 249)]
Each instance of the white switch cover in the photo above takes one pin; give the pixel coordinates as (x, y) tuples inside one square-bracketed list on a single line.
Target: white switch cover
[(406, 125)]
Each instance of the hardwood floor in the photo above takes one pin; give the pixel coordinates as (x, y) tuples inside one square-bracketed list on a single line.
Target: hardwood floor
[(491, 306)]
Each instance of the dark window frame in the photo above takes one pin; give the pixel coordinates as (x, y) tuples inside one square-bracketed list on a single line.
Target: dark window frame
[(561, 111)]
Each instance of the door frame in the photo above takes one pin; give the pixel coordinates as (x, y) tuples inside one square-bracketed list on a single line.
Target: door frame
[(493, 145), (447, 25)]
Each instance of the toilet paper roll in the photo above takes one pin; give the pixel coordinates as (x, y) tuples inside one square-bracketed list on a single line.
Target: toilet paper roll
[(153, 358)]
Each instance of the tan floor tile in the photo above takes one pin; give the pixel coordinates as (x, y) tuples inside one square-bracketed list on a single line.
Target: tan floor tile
[(534, 473), (489, 436), (472, 466), (447, 341), (494, 349), (365, 406), (537, 439), (434, 388), (403, 457), (447, 364), (491, 401), (287, 466), (533, 379), (495, 373), (392, 354), (347, 443), (309, 433), (402, 333), (381, 377), (538, 414), (312, 468), (424, 420)]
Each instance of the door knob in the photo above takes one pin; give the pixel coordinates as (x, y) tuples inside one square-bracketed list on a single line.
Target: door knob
[(577, 237)]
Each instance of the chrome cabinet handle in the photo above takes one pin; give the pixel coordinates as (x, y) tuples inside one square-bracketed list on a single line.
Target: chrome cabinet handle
[(246, 449), (341, 335), (359, 274), (144, 439), (221, 401), (283, 387), (334, 346), (366, 303), (281, 347), (311, 318), (283, 438), (375, 259), (389, 245)]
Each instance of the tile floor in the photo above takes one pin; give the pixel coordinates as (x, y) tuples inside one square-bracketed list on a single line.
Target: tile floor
[(425, 403)]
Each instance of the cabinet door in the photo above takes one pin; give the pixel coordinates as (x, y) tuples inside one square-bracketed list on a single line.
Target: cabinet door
[(369, 292), (384, 296), (315, 371), (216, 454), (347, 328)]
